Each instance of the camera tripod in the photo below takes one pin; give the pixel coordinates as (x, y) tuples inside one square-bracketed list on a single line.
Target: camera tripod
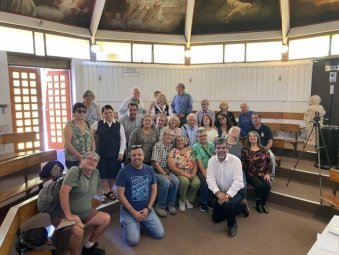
[(318, 134)]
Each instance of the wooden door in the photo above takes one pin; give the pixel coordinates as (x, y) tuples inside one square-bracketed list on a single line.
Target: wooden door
[(57, 106), (26, 106)]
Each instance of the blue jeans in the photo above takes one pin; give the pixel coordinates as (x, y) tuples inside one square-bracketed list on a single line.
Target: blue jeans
[(131, 227), (205, 195), (167, 190)]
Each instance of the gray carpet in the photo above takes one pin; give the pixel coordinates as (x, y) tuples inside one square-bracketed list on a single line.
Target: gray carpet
[(283, 231)]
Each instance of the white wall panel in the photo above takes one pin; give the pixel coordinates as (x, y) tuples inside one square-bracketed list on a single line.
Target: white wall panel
[(265, 86)]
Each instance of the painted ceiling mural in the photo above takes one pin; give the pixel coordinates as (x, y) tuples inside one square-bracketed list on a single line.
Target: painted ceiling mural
[(73, 12), (306, 12), (222, 16), (160, 16), (168, 16)]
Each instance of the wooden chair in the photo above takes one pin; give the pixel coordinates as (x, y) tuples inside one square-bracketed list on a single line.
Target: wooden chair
[(332, 199)]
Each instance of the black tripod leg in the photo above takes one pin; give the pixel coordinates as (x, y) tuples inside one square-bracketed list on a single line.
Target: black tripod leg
[(301, 153), (324, 147)]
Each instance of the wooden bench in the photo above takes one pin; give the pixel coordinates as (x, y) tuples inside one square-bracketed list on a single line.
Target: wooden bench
[(282, 126), (332, 199), (22, 163), (17, 215)]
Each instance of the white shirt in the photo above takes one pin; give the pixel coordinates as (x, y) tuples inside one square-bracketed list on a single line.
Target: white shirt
[(121, 131), (225, 176)]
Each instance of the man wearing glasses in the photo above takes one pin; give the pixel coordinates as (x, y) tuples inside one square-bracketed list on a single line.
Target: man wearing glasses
[(76, 193), (225, 180), (137, 191)]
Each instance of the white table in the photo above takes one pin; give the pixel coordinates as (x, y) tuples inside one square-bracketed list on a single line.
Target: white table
[(315, 250)]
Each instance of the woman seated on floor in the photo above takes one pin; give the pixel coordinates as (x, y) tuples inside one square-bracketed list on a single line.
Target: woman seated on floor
[(257, 165), (182, 164)]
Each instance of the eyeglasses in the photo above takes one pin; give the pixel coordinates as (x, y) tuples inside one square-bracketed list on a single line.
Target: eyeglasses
[(81, 111), (222, 118), (95, 160)]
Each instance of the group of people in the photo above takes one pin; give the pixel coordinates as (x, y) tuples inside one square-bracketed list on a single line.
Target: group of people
[(151, 155)]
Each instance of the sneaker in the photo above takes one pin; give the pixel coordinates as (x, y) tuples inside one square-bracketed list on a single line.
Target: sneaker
[(204, 207), (188, 204), (210, 205), (161, 212), (244, 207), (94, 250), (182, 206), (172, 210)]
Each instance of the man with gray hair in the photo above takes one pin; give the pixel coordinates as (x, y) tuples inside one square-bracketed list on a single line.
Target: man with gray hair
[(225, 180), (190, 129), (182, 103), (76, 193), (135, 98), (204, 111)]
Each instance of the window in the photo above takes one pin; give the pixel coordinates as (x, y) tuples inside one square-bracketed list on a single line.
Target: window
[(63, 46), (206, 54), (16, 40), (169, 54), (309, 47), (263, 51), (142, 53), (39, 44), (235, 52), (114, 51), (335, 45)]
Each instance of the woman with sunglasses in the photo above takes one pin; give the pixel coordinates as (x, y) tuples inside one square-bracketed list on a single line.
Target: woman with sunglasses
[(224, 125), (93, 110), (223, 106), (78, 138)]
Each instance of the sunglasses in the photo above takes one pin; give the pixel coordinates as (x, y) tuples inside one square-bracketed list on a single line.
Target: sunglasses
[(137, 146), (81, 111)]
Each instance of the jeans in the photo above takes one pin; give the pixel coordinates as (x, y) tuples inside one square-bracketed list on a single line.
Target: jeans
[(167, 190), (205, 194), (228, 210), (131, 227), (188, 188)]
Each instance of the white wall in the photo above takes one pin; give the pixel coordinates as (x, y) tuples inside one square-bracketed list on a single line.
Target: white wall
[(6, 117), (275, 87)]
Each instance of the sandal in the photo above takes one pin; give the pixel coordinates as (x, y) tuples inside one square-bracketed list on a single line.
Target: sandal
[(104, 198), (111, 196)]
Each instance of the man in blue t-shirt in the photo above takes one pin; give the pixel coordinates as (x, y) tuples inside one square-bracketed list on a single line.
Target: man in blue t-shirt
[(137, 191)]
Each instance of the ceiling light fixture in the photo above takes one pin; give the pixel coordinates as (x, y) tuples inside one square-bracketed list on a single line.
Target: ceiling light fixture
[(187, 53), (94, 48), (284, 48)]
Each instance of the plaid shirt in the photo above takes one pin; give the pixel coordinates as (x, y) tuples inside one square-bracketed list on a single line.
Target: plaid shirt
[(160, 152)]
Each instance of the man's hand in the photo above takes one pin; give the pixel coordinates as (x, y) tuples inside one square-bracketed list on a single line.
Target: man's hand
[(74, 218), (222, 197)]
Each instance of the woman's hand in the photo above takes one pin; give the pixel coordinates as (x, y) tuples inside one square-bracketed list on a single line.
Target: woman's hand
[(267, 177)]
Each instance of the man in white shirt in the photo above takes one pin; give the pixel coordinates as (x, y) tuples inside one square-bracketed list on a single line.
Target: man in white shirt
[(135, 98), (225, 180)]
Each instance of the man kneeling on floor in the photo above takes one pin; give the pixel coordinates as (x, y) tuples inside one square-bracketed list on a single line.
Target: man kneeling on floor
[(76, 193), (225, 180), (137, 190)]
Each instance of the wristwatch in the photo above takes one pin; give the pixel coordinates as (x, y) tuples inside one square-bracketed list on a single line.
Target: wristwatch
[(149, 209)]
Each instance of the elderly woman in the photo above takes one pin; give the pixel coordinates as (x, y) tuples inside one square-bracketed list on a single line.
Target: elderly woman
[(181, 162), (78, 138), (223, 106), (224, 125), (245, 119), (190, 129), (147, 135), (161, 107), (257, 165), (207, 124), (173, 124), (111, 144), (235, 147), (93, 110)]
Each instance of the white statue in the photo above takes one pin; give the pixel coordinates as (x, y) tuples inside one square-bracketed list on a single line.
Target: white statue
[(314, 107)]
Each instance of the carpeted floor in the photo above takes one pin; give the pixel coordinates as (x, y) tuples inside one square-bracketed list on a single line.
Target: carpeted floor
[(283, 231)]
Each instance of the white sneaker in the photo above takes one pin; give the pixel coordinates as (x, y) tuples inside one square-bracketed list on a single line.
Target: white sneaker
[(182, 206), (188, 204)]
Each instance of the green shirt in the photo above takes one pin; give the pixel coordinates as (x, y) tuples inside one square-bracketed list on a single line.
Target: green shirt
[(199, 152), (83, 190)]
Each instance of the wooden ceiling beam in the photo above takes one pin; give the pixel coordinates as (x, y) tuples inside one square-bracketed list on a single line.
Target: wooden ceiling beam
[(189, 22), (285, 19), (96, 16)]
